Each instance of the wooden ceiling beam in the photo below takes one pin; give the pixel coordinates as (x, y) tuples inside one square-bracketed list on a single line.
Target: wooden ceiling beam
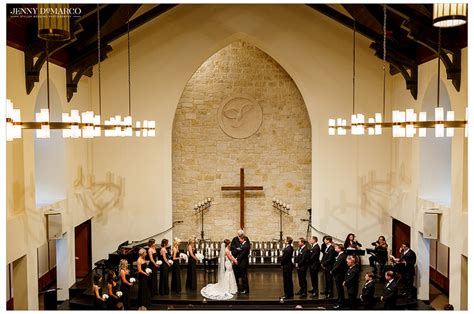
[(122, 30)]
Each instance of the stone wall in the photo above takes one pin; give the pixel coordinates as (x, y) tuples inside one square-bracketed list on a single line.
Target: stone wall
[(227, 90)]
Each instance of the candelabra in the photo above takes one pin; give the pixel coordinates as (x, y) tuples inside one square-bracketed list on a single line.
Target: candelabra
[(283, 208), (200, 207)]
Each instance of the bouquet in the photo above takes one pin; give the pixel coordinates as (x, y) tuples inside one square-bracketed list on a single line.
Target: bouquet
[(200, 257), (119, 293), (159, 263), (132, 280), (183, 256), (148, 270), (105, 296), (170, 262)]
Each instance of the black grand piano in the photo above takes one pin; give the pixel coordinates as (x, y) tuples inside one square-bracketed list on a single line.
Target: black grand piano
[(128, 251)]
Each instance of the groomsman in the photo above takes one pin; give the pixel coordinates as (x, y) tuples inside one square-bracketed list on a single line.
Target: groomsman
[(351, 281), (390, 292), (339, 272), (301, 263), (327, 263), (314, 264), (287, 266), (408, 259), (368, 291)]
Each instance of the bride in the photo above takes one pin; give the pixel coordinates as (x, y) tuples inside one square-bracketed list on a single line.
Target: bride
[(226, 286)]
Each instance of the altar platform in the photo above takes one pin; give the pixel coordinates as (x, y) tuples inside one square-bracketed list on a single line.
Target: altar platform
[(266, 288)]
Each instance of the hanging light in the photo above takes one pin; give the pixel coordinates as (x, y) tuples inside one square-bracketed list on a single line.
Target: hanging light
[(53, 22), (449, 14)]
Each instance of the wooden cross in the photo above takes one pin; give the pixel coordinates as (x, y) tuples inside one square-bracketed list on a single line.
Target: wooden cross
[(242, 188)]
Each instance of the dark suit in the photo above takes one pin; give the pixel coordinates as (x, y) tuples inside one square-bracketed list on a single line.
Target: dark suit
[(367, 296), (243, 263), (339, 273), (287, 266), (329, 256), (351, 281), (390, 293), (302, 262), (235, 250), (409, 272), (314, 253)]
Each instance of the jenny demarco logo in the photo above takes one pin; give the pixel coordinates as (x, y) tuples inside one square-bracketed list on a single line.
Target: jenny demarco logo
[(35, 12)]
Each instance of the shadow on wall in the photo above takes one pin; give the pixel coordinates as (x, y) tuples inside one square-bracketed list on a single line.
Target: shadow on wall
[(375, 196), (97, 198)]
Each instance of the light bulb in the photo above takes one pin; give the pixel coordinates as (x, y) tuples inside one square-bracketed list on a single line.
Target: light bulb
[(439, 117), (450, 117), (422, 118), (332, 127), (138, 126)]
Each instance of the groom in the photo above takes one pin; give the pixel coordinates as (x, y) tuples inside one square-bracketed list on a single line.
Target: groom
[(243, 262), (240, 249)]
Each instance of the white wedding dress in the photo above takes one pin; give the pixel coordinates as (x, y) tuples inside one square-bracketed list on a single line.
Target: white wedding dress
[(226, 287)]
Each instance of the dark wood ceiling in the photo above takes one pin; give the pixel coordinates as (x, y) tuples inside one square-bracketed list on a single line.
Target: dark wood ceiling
[(411, 38)]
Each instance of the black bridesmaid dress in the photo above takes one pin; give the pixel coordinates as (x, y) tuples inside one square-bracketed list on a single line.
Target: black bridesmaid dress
[(176, 275), (98, 304), (126, 292), (143, 289), (111, 301), (164, 288), (191, 273), (153, 276)]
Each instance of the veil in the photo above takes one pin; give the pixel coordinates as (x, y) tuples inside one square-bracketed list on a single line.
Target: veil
[(222, 289), (221, 270)]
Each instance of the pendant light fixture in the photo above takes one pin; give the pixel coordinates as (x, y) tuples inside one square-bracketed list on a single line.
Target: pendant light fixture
[(53, 21), (449, 14)]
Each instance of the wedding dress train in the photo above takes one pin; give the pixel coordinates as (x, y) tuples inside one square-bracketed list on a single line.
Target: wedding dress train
[(226, 286)]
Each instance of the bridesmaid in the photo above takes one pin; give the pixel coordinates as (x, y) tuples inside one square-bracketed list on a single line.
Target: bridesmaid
[(113, 302), (99, 302), (165, 267), (126, 284), (153, 265), (175, 268), (192, 261), (143, 287)]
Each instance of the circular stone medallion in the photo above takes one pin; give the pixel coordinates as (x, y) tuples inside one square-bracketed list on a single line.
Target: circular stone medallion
[(240, 116)]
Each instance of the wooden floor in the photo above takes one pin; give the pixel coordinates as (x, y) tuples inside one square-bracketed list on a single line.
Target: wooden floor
[(266, 288)]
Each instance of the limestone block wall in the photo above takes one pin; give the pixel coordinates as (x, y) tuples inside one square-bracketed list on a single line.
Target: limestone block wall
[(277, 156)]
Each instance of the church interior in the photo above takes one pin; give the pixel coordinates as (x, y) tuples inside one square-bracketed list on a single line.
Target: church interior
[(293, 123)]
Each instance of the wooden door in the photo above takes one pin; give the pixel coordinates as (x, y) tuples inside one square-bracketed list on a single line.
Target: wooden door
[(400, 234), (83, 249)]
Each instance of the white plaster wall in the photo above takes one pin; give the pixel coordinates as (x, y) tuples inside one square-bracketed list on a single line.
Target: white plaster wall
[(26, 225), (406, 203)]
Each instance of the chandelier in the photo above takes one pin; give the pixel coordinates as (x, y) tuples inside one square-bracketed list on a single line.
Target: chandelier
[(73, 124), (404, 123)]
